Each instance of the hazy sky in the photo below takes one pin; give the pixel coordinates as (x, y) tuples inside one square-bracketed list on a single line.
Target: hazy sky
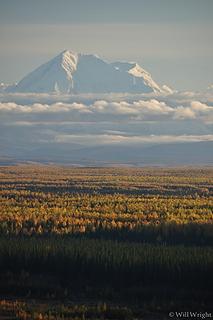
[(173, 39)]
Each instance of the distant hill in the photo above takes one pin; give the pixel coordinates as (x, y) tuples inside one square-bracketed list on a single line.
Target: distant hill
[(195, 153)]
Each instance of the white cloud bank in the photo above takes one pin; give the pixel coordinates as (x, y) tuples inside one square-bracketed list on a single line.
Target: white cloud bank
[(100, 139), (102, 110)]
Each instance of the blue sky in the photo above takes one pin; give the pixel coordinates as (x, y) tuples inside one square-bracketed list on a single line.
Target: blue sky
[(171, 39)]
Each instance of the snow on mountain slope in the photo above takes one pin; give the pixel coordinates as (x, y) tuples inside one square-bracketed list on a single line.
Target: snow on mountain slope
[(70, 72), (51, 76), (137, 72)]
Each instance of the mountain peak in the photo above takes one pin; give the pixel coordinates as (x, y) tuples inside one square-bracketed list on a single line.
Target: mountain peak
[(72, 72)]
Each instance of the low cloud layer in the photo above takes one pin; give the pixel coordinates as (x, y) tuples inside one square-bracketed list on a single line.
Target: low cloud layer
[(102, 110), (99, 139), (50, 126)]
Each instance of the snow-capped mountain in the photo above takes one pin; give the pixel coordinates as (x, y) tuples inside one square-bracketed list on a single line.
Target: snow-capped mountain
[(71, 72)]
